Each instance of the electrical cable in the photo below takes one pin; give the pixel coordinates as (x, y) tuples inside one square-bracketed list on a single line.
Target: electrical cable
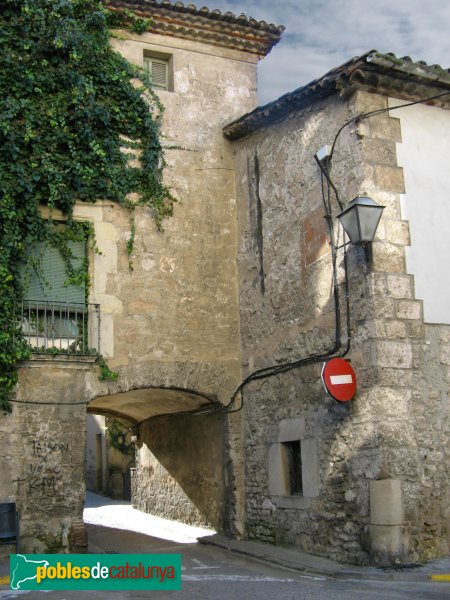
[(379, 111), (49, 403), (274, 370), (334, 244)]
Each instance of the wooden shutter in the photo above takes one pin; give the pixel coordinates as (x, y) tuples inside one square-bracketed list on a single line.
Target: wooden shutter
[(158, 71), (55, 275)]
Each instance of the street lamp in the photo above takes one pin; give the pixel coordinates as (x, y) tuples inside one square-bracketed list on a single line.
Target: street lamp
[(360, 219)]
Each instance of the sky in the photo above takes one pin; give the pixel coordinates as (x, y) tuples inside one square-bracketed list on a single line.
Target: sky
[(322, 35)]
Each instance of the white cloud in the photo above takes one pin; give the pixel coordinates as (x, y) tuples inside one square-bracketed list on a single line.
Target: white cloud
[(321, 35)]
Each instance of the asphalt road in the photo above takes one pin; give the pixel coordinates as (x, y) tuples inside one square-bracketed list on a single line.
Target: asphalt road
[(211, 573)]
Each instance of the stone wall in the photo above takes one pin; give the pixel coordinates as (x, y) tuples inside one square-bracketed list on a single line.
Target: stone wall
[(180, 469), (290, 317), (173, 321), (411, 410), (179, 306), (42, 469), (287, 313)]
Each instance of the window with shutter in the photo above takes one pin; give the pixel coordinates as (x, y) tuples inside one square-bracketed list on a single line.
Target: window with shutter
[(54, 313), (158, 70), (52, 285)]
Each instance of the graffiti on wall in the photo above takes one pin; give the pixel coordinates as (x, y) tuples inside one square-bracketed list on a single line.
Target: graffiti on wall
[(44, 472)]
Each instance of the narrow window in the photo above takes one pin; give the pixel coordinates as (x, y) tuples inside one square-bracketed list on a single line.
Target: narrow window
[(294, 457)]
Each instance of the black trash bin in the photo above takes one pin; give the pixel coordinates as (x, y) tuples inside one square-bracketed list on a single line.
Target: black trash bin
[(9, 524)]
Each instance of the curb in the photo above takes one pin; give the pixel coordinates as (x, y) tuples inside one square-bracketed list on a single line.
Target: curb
[(268, 554)]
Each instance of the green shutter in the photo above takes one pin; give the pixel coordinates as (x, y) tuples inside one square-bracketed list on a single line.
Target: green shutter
[(55, 275), (158, 71)]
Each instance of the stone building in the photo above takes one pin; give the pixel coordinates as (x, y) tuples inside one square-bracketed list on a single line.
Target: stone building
[(170, 328), (372, 475), (242, 280)]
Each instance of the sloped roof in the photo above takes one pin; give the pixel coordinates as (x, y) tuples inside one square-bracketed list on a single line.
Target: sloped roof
[(373, 71), (204, 25)]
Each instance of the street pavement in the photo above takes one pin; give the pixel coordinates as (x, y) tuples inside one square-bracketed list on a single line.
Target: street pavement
[(223, 569)]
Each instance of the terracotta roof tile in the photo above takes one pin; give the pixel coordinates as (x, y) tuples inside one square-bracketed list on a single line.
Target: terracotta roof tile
[(376, 72), (204, 25)]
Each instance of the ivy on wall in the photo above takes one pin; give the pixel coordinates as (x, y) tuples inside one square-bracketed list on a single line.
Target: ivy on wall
[(119, 436), (68, 105)]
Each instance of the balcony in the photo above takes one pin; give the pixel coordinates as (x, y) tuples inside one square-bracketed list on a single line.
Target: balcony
[(61, 327)]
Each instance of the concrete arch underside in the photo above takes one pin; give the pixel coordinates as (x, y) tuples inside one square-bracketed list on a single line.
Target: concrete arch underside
[(140, 405)]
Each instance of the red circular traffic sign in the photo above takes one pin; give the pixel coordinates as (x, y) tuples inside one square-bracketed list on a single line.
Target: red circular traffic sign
[(339, 379)]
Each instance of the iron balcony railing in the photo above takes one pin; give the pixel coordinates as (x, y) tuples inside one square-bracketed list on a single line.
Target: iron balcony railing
[(66, 327)]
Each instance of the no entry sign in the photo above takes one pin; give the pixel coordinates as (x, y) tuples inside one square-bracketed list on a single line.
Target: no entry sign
[(339, 379)]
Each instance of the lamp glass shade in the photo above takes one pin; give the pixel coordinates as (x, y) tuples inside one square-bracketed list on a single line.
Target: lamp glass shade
[(360, 219)]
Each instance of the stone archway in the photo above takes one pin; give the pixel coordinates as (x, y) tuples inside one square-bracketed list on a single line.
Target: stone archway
[(179, 470)]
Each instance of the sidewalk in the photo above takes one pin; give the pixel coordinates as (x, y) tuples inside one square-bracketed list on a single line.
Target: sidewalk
[(317, 565)]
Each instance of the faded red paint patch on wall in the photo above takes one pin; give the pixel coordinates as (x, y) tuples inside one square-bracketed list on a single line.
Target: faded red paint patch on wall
[(315, 238)]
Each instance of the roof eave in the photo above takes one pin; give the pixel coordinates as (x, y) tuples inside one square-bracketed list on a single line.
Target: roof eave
[(375, 72), (202, 25)]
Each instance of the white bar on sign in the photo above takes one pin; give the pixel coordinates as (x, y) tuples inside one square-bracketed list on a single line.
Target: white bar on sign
[(340, 379)]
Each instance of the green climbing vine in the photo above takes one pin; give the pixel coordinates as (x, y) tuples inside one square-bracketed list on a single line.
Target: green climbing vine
[(105, 372), (68, 107), (119, 436)]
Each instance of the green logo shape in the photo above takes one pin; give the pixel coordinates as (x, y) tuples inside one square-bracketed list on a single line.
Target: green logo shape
[(95, 571)]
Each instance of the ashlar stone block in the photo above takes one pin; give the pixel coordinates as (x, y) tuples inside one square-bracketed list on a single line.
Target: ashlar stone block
[(386, 543), (400, 286), (389, 178), (278, 465), (310, 468), (396, 355), (291, 430), (386, 502), (409, 309)]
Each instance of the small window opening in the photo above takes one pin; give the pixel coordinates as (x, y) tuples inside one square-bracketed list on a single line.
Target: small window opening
[(294, 456), (158, 71)]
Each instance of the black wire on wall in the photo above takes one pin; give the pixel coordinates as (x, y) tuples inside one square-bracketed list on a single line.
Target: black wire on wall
[(324, 169)]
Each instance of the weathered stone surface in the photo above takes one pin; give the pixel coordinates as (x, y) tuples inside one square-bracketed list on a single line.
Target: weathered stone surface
[(278, 469), (409, 309), (389, 178), (45, 455), (379, 151), (385, 430), (388, 257), (291, 429), (396, 330), (173, 322), (241, 280), (179, 469), (396, 355), (387, 544), (386, 503), (400, 286)]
